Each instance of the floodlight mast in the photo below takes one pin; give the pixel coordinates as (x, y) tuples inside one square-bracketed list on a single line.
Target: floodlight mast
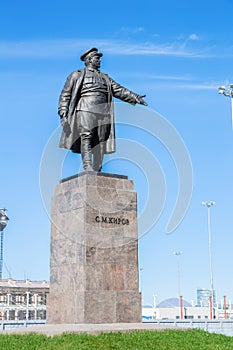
[(178, 253), (228, 92), (3, 223), (208, 205)]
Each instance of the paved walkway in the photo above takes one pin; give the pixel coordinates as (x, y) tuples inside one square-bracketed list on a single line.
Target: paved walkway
[(57, 329)]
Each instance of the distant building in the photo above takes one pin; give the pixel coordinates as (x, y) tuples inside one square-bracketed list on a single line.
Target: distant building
[(26, 300), (203, 297), (172, 302), (169, 309), (23, 300)]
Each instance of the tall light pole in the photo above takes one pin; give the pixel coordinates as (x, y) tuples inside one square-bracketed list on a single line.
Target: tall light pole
[(3, 223), (178, 254), (141, 285), (209, 205), (228, 92)]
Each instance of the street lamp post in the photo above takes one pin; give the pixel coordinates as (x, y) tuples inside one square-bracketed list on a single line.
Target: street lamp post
[(209, 205), (3, 223), (228, 92), (178, 254)]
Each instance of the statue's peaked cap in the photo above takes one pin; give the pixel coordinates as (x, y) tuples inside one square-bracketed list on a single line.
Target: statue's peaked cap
[(91, 52)]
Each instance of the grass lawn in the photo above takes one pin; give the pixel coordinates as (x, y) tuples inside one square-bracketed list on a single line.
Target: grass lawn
[(141, 340)]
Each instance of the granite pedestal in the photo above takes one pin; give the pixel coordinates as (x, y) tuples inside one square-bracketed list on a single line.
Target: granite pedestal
[(94, 251)]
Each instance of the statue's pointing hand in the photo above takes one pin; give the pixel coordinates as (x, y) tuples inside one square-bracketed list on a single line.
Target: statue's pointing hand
[(140, 100)]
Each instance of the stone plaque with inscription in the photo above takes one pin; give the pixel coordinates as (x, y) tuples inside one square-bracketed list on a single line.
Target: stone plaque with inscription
[(94, 251)]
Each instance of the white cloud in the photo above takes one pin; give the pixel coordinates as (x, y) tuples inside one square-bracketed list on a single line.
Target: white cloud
[(41, 48), (139, 29), (195, 85), (175, 82), (159, 76), (130, 30), (194, 37), (200, 86), (73, 47), (149, 49)]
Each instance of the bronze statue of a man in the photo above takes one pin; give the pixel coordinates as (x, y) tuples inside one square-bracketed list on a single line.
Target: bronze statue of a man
[(86, 111)]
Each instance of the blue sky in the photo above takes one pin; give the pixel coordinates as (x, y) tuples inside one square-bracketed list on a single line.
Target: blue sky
[(177, 53)]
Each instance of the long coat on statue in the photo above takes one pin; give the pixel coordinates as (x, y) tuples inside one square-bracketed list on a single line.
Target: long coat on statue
[(68, 102)]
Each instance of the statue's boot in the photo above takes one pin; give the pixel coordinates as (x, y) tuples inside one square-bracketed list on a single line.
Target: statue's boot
[(98, 155), (86, 152)]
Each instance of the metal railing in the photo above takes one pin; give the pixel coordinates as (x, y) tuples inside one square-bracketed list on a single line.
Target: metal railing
[(17, 324), (213, 326)]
